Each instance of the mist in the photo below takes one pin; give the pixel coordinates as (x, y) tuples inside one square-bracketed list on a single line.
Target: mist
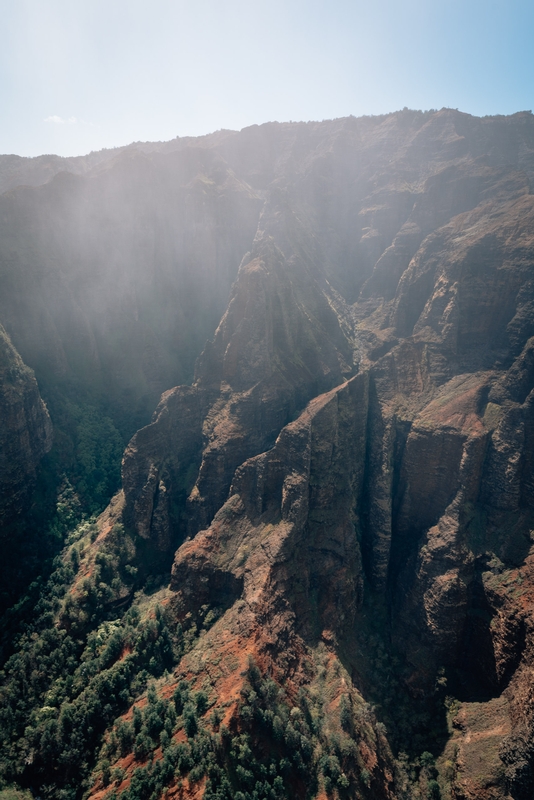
[(79, 77)]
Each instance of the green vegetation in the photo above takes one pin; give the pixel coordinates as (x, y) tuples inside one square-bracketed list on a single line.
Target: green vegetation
[(414, 723), (87, 449), (14, 793), (98, 451), (91, 647), (30, 546), (70, 705), (76, 480), (274, 750), (77, 666)]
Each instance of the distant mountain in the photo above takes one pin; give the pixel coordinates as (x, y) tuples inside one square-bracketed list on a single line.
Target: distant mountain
[(316, 576)]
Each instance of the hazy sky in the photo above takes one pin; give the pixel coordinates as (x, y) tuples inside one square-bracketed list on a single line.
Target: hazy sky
[(79, 75)]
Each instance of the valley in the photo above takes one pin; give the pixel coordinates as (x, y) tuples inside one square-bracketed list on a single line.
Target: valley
[(267, 472)]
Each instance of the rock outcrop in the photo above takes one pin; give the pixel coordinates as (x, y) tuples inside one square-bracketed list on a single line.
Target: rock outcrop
[(25, 436), (345, 489), (407, 482)]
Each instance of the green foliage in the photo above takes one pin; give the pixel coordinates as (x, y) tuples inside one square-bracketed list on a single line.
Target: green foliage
[(76, 479), (433, 790), (14, 793), (190, 720), (75, 670), (98, 448), (201, 702), (181, 696), (414, 723), (427, 759), (68, 510), (273, 750), (345, 713)]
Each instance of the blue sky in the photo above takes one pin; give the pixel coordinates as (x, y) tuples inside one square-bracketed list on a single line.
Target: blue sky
[(79, 75)]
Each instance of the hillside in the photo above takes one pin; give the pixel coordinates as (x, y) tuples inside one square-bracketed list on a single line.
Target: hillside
[(315, 575)]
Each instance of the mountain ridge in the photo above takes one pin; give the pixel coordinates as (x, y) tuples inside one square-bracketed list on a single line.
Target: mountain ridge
[(343, 491)]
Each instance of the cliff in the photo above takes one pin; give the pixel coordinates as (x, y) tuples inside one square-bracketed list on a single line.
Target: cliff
[(26, 433), (25, 437), (405, 495), (344, 491)]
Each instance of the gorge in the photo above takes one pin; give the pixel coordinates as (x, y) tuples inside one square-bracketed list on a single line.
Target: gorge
[(312, 574)]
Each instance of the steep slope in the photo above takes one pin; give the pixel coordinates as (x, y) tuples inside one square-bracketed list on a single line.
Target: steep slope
[(26, 430), (25, 437), (112, 275), (443, 462), (279, 343), (348, 481)]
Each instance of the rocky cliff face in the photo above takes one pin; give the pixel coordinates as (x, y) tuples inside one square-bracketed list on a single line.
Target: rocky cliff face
[(411, 480), (26, 433), (345, 490), (25, 437)]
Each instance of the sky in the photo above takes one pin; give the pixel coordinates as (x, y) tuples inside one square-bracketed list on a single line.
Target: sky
[(80, 75)]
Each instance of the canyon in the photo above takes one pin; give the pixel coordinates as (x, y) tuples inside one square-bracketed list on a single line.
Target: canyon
[(314, 577)]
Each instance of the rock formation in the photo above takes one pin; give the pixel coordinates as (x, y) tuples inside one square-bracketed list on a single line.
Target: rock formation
[(25, 436), (345, 489)]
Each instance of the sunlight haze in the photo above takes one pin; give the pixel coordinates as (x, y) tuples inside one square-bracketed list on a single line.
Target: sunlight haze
[(77, 76)]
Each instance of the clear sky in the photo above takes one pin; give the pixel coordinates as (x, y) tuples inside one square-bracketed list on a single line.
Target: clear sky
[(79, 75)]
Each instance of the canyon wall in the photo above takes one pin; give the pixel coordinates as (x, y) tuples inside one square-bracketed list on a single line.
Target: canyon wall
[(344, 490)]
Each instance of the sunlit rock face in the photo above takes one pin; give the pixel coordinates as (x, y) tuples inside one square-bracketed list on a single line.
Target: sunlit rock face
[(399, 251), (348, 478)]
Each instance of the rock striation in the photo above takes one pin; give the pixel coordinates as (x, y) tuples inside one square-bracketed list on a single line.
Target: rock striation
[(345, 489), (409, 480)]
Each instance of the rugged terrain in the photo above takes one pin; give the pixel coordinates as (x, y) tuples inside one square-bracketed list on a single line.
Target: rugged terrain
[(317, 578)]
